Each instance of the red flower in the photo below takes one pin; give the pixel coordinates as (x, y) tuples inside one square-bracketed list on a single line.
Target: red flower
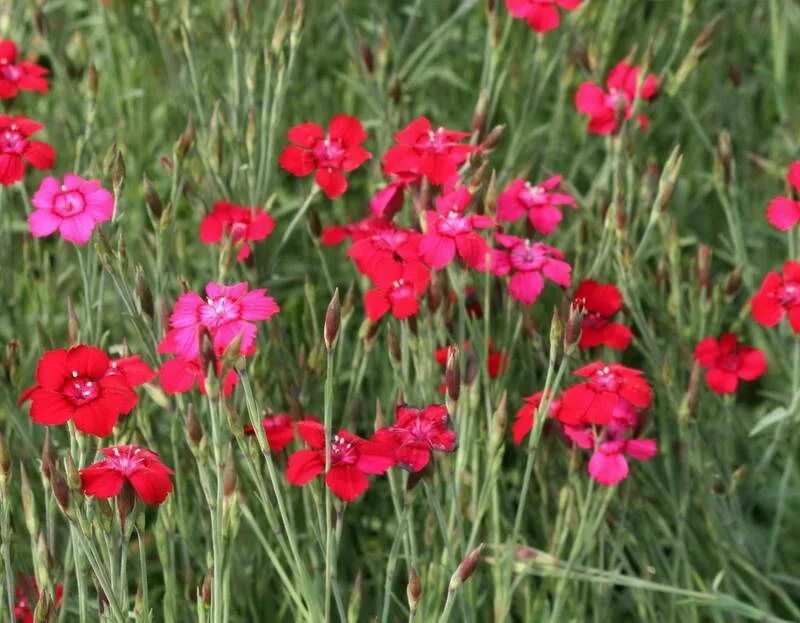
[(777, 296), (26, 595), (337, 234), (22, 76), (605, 109), (528, 263), (601, 301), (389, 200), (450, 230), (398, 287), (538, 202), (596, 400), (227, 312), (135, 371), (523, 420), (179, 375), (727, 362), (140, 468), (416, 433), (541, 15), (423, 151), (784, 212), (326, 153), (16, 149), (237, 223), (399, 245), (352, 458), (279, 430), (79, 384)]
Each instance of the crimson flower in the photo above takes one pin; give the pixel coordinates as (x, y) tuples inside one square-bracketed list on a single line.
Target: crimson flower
[(606, 109), (279, 430), (179, 375), (135, 371), (539, 202), (523, 420), (398, 287), (27, 594), (449, 231), (422, 151), (328, 153), (595, 400), (778, 295), (128, 465), (337, 234), (237, 223), (601, 301), (784, 212), (388, 201), (16, 149), (79, 384), (608, 464), (227, 312), (352, 458), (541, 15), (727, 361), (529, 263), (18, 76), (397, 244), (416, 433)]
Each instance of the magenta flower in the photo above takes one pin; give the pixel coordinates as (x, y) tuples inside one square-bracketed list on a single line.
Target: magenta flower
[(608, 464), (227, 312), (73, 207), (529, 263), (539, 202), (541, 15)]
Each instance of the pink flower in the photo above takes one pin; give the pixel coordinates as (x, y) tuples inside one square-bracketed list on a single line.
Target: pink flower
[(18, 76), (784, 212), (539, 202), (388, 201), (529, 263), (238, 223), (606, 109), (449, 231), (778, 295), (398, 287), (73, 207), (608, 464), (541, 15), (727, 361), (328, 153), (227, 312), (16, 148), (352, 458), (424, 152), (369, 252)]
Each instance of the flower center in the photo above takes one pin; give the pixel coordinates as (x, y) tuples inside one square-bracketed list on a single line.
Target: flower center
[(533, 196), (12, 73), (605, 380), (526, 256), (435, 142), (789, 293), (69, 202), (219, 311), (343, 452), (12, 141), (594, 320), (400, 290), (238, 230), (329, 153), (453, 224), (127, 462), (729, 362), (80, 390), (615, 98)]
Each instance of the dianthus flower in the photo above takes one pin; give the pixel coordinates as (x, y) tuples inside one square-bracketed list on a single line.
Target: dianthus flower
[(528, 263), (601, 301), (242, 225), (539, 202), (726, 362), (128, 466)]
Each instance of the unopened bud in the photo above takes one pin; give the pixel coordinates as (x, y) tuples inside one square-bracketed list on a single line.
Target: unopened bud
[(229, 475), (60, 490), (734, 281), (205, 590), (143, 293), (394, 343), (194, 432), (44, 606), (556, 327), (117, 172), (466, 568), (471, 368), (5, 464), (452, 375), (572, 332), (704, 269), (479, 115), (28, 503), (232, 352), (186, 139), (333, 318), (152, 198), (413, 589), (126, 501), (494, 137), (91, 80)]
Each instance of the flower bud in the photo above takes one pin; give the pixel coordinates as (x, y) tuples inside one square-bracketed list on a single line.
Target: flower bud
[(734, 281), (704, 269), (466, 568), (194, 432), (5, 465), (91, 80), (186, 139), (126, 501), (333, 317), (44, 606), (494, 137), (572, 332), (60, 490), (479, 115), (208, 357), (28, 503), (229, 475), (413, 589), (152, 198), (452, 375)]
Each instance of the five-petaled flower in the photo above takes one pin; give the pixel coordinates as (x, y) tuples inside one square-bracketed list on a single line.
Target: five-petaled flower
[(539, 202), (128, 466), (529, 263), (416, 433), (784, 212), (328, 153), (397, 244), (606, 110), (541, 15), (16, 148), (352, 458), (80, 384), (601, 301), (778, 295), (240, 224), (74, 207), (422, 151), (727, 361), (227, 312), (398, 286), (16, 76)]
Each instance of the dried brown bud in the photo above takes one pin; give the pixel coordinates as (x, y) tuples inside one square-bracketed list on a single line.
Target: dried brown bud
[(60, 490), (333, 318), (126, 501), (413, 589), (368, 57), (314, 224), (734, 281), (394, 343), (205, 590), (466, 568), (186, 139), (48, 456), (494, 137), (91, 80), (471, 367), (704, 269), (143, 293), (208, 357), (572, 332), (452, 375)]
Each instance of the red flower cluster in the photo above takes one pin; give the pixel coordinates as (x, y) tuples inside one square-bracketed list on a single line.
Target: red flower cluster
[(241, 225), (408, 443), (607, 109), (84, 385)]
